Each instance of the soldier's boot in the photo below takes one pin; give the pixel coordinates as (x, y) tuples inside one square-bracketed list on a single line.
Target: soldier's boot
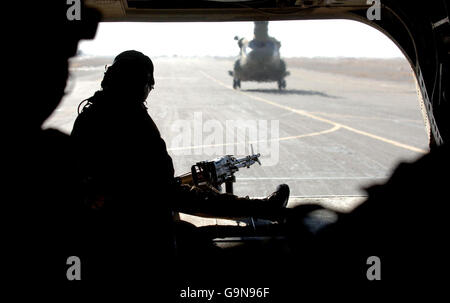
[(270, 208), (280, 197)]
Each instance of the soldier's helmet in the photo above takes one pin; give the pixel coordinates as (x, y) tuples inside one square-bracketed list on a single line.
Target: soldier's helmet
[(130, 70)]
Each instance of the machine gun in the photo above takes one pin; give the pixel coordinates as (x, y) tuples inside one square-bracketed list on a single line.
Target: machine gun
[(217, 171)]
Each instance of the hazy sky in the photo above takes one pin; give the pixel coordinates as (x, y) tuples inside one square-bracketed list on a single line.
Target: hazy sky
[(324, 38)]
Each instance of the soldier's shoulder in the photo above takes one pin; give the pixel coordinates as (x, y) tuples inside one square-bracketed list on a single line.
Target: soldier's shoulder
[(52, 134), (54, 141)]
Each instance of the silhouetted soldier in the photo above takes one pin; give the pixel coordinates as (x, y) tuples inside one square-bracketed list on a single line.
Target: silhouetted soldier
[(125, 160), (404, 222), (48, 220), (127, 170), (403, 225), (42, 216)]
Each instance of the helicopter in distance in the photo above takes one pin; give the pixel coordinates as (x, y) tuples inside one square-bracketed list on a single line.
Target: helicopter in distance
[(262, 63)]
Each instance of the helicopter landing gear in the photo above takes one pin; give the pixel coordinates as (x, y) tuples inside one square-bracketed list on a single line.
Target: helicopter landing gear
[(236, 83), (281, 84)]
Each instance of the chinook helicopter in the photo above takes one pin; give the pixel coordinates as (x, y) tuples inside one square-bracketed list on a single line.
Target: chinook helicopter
[(263, 62)]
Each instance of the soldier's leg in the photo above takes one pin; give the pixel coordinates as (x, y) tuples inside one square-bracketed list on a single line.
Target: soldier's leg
[(208, 202)]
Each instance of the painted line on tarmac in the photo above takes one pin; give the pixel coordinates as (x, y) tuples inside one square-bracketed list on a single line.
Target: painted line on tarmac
[(315, 117), (327, 131), (313, 178), (335, 115)]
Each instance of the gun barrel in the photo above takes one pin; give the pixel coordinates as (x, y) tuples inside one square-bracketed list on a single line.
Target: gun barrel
[(247, 161)]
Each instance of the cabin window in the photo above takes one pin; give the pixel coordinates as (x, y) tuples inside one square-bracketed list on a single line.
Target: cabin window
[(348, 113)]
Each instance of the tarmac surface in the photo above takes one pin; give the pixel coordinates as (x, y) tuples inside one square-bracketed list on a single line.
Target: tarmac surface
[(330, 133)]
